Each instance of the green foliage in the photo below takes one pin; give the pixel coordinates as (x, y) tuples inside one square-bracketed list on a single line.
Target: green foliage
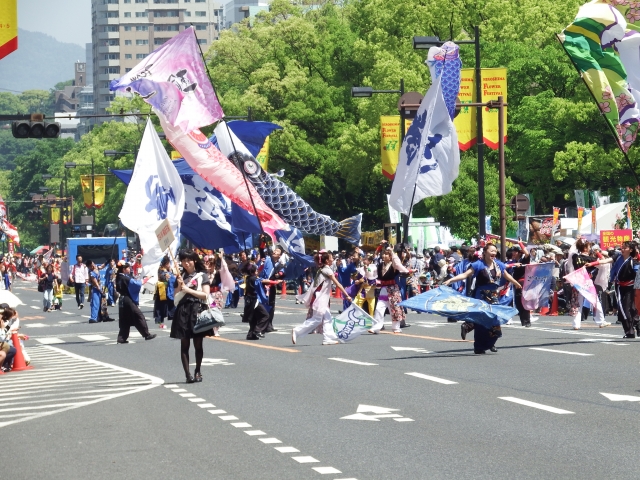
[(459, 209)]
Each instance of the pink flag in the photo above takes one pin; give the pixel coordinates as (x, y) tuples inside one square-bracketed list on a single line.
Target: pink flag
[(581, 281), (228, 283), (209, 162), (173, 79)]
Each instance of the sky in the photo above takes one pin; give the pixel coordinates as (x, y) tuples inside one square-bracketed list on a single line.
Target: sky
[(67, 21)]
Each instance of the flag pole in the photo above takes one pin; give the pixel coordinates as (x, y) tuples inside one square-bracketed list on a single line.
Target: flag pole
[(611, 127), (235, 160)]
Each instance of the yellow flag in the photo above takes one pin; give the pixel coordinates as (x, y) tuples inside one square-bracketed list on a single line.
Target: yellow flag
[(55, 215), (85, 182), (175, 155), (465, 122), (390, 143), (263, 154), (494, 84), (100, 187), (8, 27)]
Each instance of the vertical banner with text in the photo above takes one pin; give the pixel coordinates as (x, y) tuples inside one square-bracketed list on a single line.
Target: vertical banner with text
[(100, 188), (8, 27), (85, 183), (593, 220), (390, 143), (580, 214), (494, 84)]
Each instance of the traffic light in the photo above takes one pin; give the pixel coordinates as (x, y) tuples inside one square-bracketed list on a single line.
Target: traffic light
[(35, 129), (35, 214)]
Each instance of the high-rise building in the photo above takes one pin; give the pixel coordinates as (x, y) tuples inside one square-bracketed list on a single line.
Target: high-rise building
[(124, 32), (237, 10)]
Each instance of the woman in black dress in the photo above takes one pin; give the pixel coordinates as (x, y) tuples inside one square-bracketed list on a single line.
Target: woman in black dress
[(623, 275), (192, 290)]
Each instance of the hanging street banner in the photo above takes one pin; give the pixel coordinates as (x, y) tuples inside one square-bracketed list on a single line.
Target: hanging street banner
[(580, 214), (8, 27), (263, 154), (494, 84), (85, 183), (100, 189), (390, 143), (614, 238)]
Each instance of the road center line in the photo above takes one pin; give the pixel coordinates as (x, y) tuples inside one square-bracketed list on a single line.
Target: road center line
[(433, 379), (562, 351), (428, 338), (535, 405), (355, 362), (248, 344)]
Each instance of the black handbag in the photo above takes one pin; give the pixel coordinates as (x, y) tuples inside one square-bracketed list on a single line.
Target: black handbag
[(207, 319), (41, 286)]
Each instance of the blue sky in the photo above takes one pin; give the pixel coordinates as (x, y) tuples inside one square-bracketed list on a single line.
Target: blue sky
[(67, 21)]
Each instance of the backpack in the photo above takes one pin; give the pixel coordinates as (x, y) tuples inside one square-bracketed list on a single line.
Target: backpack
[(161, 290)]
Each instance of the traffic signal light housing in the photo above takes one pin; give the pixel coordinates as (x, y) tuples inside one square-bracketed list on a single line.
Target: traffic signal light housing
[(37, 129)]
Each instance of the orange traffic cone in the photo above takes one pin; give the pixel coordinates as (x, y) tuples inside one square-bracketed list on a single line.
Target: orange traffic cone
[(18, 360), (284, 290), (554, 305), (544, 311)]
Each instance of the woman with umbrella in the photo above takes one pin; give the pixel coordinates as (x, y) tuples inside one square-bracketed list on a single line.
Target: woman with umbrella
[(488, 274)]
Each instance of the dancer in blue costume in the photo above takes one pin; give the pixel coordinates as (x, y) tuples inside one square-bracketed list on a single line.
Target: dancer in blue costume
[(488, 274)]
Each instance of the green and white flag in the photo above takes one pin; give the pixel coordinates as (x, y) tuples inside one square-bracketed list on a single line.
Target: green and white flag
[(351, 323)]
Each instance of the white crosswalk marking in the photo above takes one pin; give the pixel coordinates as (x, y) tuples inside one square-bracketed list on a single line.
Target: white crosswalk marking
[(62, 381)]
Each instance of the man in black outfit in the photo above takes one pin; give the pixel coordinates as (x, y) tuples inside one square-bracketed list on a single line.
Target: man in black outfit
[(520, 257), (276, 273)]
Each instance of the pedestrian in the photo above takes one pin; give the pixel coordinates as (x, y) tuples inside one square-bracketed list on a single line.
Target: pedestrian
[(109, 279), (623, 275), (95, 292), (273, 269), (389, 297), (583, 259), (79, 275), (519, 259), (255, 304), (58, 291), (488, 274), (192, 290), (47, 288), (160, 296), (317, 301), (128, 311)]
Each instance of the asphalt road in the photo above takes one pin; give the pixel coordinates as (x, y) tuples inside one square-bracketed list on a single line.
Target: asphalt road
[(418, 405)]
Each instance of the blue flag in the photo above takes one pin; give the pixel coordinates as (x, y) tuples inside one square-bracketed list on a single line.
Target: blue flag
[(447, 302)]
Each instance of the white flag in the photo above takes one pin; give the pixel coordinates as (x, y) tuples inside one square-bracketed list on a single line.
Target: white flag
[(155, 192), (429, 157)]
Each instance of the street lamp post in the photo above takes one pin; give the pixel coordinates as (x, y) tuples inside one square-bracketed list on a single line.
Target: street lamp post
[(427, 42)]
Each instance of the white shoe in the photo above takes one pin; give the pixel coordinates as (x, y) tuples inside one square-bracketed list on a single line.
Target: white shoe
[(293, 336), (534, 319), (509, 323), (330, 342), (604, 324)]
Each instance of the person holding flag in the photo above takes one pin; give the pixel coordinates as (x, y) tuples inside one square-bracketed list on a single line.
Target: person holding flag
[(488, 274), (520, 258), (317, 300)]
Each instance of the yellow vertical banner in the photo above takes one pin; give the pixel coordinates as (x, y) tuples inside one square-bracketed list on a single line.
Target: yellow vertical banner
[(85, 183), (593, 220), (263, 154), (8, 27), (580, 214), (100, 188), (465, 122), (556, 217), (494, 84), (390, 143), (55, 215)]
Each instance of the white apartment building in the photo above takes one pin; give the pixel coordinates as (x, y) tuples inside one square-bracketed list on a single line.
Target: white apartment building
[(125, 31)]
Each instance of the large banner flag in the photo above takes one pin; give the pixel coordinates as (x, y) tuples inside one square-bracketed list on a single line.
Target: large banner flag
[(100, 189), (537, 285), (173, 79), (154, 194), (447, 302), (351, 323), (8, 27), (582, 282), (602, 43), (430, 159)]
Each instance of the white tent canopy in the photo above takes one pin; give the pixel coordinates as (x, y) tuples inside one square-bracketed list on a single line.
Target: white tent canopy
[(606, 217)]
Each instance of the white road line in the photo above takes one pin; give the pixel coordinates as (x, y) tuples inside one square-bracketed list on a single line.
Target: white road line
[(254, 432), (187, 395), (206, 405), (50, 340), (36, 325), (241, 425), (93, 338), (562, 351), (217, 412), (33, 306), (68, 313), (305, 459), (404, 419), (326, 470), (196, 400), (433, 379), (536, 405), (269, 440), (346, 360), (226, 418), (65, 393), (287, 449)]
